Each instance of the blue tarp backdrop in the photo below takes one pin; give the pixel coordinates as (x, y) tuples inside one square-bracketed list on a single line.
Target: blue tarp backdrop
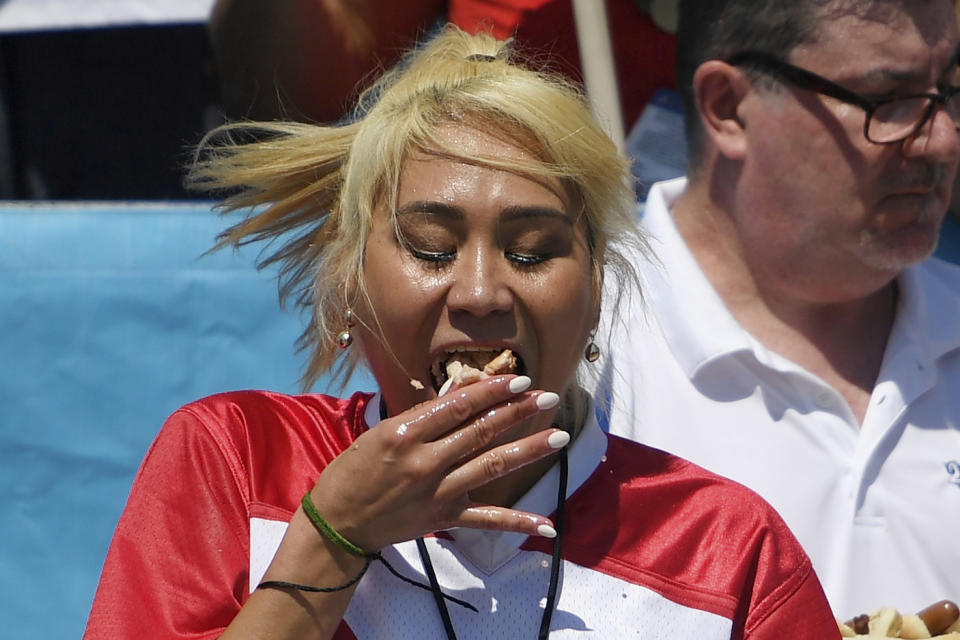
[(110, 318)]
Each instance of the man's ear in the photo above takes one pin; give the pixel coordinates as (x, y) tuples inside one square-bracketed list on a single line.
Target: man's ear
[(720, 89)]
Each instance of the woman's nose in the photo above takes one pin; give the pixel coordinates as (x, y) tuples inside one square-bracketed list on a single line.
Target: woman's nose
[(479, 286)]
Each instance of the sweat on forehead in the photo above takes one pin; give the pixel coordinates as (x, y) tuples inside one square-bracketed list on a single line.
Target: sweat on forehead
[(515, 148)]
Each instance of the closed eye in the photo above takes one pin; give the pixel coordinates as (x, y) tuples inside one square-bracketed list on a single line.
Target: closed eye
[(527, 260), (432, 256), (427, 236)]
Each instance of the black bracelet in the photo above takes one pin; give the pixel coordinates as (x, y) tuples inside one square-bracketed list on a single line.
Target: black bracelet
[(281, 584)]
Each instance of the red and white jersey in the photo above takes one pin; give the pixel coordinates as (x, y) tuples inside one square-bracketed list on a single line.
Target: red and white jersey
[(653, 546)]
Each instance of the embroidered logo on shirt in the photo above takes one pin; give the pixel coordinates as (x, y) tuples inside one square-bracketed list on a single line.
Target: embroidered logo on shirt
[(953, 468)]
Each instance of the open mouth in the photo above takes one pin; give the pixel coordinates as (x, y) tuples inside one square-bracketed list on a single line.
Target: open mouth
[(467, 365)]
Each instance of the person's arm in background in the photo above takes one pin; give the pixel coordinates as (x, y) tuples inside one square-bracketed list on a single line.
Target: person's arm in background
[(304, 59)]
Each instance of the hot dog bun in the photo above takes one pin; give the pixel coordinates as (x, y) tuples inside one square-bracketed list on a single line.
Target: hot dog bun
[(940, 621)]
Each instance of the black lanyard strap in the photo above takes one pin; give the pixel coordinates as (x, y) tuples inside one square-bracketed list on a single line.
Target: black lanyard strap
[(439, 596)]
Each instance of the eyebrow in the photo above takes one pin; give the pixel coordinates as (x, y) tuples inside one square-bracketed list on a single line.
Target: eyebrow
[(445, 210), (907, 76), (515, 213), (431, 206)]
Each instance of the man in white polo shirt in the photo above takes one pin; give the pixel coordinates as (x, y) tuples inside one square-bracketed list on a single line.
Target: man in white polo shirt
[(795, 336)]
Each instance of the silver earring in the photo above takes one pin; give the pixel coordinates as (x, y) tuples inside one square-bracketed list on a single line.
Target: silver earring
[(344, 340), (592, 352)]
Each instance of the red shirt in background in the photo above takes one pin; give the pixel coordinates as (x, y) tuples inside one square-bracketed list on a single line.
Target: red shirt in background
[(644, 53)]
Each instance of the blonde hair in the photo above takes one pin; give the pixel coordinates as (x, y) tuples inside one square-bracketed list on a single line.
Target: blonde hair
[(313, 189)]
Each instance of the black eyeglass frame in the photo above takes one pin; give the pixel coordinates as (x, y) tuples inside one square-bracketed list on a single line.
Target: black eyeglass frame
[(810, 81)]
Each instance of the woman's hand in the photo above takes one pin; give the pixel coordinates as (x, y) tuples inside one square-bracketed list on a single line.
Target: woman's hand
[(411, 474), (408, 476)]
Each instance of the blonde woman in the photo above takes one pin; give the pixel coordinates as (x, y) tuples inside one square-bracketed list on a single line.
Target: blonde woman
[(465, 217)]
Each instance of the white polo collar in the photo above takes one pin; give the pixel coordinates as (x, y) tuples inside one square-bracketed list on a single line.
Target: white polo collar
[(696, 323), (701, 330), (926, 328), (929, 306)]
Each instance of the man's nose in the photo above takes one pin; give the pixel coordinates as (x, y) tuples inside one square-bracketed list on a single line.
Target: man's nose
[(479, 285), (938, 138)]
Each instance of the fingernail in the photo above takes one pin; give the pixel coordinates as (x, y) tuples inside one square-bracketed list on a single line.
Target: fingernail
[(518, 384), (547, 531), (547, 400), (445, 387), (558, 439)]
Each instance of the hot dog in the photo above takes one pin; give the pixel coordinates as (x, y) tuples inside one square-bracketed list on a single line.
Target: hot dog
[(940, 620), (939, 616), (467, 367), (506, 362)]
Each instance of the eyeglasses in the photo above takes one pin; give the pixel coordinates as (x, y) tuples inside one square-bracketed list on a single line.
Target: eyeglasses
[(888, 120)]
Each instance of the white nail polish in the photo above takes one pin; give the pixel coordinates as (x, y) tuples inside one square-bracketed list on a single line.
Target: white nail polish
[(518, 384), (558, 439), (547, 531), (547, 400), (445, 387)]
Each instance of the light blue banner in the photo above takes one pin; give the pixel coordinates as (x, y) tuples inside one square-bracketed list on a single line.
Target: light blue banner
[(110, 318)]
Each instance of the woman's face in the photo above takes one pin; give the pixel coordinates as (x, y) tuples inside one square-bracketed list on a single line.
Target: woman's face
[(484, 259)]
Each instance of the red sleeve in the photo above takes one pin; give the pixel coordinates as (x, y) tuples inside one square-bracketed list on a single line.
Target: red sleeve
[(799, 611), (781, 597), (177, 565)]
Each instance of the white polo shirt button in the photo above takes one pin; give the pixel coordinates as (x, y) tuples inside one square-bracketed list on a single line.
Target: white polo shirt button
[(824, 399)]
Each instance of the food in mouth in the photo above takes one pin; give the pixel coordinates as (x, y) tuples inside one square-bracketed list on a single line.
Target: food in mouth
[(939, 620), (463, 367)]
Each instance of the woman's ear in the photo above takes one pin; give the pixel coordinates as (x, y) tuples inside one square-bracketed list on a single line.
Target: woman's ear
[(720, 89)]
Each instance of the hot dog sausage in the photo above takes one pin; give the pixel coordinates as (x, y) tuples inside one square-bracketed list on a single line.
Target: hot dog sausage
[(939, 616)]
